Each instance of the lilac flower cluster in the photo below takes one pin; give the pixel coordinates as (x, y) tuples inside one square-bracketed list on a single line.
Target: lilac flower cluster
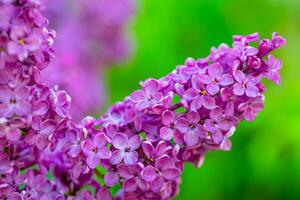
[(83, 52), (141, 144), (176, 119)]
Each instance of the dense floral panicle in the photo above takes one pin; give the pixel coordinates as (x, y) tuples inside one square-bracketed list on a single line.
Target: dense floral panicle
[(34, 118), (141, 143), (192, 110), (83, 52)]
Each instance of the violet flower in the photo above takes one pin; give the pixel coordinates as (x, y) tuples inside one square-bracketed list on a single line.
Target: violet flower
[(125, 149), (96, 149), (191, 129), (168, 130), (163, 169), (141, 143), (244, 85), (14, 102)]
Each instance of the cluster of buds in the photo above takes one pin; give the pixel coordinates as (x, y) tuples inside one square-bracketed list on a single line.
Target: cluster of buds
[(142, 143)]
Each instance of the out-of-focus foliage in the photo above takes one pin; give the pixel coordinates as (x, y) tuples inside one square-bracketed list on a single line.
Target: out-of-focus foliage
[(264, 162)]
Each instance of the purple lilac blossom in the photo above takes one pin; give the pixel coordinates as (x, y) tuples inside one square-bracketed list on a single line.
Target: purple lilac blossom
[(141, 143), (216, 93)]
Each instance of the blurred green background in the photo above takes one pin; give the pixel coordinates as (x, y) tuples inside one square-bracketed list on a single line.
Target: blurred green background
[(264, 162)]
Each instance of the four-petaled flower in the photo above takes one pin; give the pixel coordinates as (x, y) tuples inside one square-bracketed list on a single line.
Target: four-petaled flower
[(215, 78), (96, 149), (132, 176), (245, 85), (191, 128), (147, 97), (251, 108), (22, 43), (273, 67), (152, 153), (216, 124), (163, 169), (14, 101), (125, 149), (198, 95)]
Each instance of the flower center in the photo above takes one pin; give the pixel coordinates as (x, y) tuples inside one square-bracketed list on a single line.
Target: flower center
[(151, 159), (192, 126), (203, 92), (95, 149), (172, 126), (12, 101), (21, 42), (215, 81)]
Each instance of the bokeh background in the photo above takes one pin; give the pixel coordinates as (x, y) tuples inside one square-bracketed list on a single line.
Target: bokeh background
[(264, 162)]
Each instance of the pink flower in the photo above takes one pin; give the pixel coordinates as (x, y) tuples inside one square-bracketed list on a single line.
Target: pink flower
[(95, 149), (168, 130), (14, 101), (273, 69), (244, 85), (125, 149), (191, 129), (147, 97), (163, 170), (22, 42), (215, 78), (216, 124)]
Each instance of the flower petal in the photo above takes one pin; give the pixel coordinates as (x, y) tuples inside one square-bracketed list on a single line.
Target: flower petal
[(134, 142), (130, 185), (191, 138), (100, 139), (226, 79), (251, 90), (103, 194), (161, 147), (182, 125), (205, 79), (22, 108), (120, 141), (111, 178), (116, 157), (239, 76), (148, 148), (149, 173), (166, 133), (93, 160), (157, 184), (87, 146), (164, 162), (216, 113), (104, 153), (40, 107), (5, 95), (131, 157), (125, 171), (238, 89), (168, 117), (193, 117), (213, 88), (138, 95), (215, 70), (208, 102), (13, 134), (171, 173), (196, 103)]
